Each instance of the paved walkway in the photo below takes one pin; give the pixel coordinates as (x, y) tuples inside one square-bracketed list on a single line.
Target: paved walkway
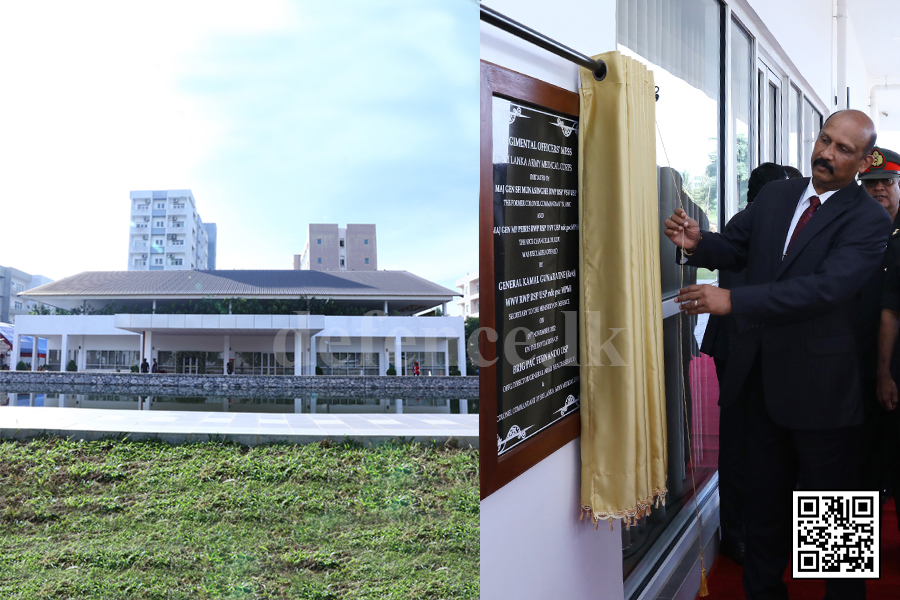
[(23, 422)]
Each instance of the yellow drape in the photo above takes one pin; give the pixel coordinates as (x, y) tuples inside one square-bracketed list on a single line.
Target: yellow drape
[(623, 419)]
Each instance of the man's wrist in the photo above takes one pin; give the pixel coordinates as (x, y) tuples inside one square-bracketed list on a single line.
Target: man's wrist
[(687, 252)]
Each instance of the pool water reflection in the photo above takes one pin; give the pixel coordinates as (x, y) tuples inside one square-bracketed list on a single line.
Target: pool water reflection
[(308, 404)]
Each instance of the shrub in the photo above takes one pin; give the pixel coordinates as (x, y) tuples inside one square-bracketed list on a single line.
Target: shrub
[(71, 366), (391, 371), (21, 366), (319, 371), (455, 372), (135, 369)]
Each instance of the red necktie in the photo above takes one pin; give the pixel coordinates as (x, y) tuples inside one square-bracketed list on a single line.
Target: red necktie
[(804, 219)]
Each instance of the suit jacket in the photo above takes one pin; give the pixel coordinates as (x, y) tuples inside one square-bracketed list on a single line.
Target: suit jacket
[(799, 315), (720, 330)]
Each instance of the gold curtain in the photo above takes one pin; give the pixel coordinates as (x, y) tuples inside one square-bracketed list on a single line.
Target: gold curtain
[(623, 415)]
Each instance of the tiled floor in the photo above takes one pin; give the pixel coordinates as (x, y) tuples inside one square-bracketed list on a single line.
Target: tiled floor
[(23, 422)]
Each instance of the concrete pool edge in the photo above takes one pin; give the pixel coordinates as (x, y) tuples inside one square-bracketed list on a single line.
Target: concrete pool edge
[(23, 423)]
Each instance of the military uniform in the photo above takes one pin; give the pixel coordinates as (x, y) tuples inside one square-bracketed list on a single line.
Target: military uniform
[(881, 431)]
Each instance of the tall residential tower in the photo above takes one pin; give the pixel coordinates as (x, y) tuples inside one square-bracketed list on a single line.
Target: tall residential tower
[(332, 248), (167, 233)]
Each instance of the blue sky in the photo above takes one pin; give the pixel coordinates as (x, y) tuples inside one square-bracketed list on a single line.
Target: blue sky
[(275, 114)]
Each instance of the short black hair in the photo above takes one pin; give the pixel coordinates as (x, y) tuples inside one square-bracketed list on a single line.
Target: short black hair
[(762, 175), (872, 139), (792, 172)]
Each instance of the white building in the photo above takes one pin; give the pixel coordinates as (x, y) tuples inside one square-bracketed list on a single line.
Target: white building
[(468, 287), (743, 81), (167, 233), (13, 281), (199, 321)]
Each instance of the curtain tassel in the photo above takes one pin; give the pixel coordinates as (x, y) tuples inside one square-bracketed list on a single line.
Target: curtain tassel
[(704, 590)]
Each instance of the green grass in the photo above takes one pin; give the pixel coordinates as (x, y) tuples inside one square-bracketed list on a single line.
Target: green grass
[(120, 519)]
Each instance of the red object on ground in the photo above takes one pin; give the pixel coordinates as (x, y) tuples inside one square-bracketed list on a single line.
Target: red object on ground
[(725, 576)]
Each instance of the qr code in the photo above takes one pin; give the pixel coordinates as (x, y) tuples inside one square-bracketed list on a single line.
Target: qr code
[(836, 535)]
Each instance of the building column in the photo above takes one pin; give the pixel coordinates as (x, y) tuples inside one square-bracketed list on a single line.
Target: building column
[(298, 353), (82, 355), (385, 307), (382, 358), (461, 354), (313, 358), (446, 346), (34, 354), (16, 351), (148, 347), (62, 401), (226, 354), (398, 355), (398, 406), (63, 352), (463, 406)]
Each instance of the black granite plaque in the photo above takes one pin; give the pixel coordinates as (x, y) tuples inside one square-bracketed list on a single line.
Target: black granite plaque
[(535, 162)]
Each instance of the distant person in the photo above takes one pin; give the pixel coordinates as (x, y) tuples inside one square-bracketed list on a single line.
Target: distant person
[(229, 368), (145, 366), (792, 172), (155, 368), (717, 339), (416, 368)]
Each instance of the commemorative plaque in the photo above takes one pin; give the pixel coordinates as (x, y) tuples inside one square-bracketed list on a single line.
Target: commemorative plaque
[(528, 254), (535, 164)]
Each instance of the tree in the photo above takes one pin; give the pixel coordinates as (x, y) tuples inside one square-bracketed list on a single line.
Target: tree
[(471, 326)]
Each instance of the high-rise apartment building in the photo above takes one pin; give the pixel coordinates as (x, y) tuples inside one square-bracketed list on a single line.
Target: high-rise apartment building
[(468, 287), (13, 281), (167, 233), (332, 248)]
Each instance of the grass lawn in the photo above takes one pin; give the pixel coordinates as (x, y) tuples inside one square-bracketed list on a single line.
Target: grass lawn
[(121, 519)]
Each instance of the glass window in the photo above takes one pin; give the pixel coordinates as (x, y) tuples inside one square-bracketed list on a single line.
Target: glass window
[(366, 242), (318, 240), (773, 123), (319, 260), (812, 124), (681, 42), (794, 135), (741, 103), (367, 261)]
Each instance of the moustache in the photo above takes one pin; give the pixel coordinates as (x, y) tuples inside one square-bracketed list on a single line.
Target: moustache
[(824, 163)]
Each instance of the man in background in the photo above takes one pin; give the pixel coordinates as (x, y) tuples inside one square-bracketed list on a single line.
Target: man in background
[(717, 338), (880, 312)]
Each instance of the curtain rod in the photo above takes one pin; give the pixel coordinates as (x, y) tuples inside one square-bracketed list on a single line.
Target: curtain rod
[(492, 17)]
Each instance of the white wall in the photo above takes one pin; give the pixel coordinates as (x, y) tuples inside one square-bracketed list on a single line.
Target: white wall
[(587, 27), (804, 29), (533, 544), (857, 78)]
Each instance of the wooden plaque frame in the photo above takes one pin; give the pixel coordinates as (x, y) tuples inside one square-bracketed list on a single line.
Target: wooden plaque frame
[(497, 471)]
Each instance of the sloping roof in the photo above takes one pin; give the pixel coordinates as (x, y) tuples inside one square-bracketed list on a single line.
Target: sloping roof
[(317, 284)]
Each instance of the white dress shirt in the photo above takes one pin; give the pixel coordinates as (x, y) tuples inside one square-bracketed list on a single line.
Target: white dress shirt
[(801, 208)]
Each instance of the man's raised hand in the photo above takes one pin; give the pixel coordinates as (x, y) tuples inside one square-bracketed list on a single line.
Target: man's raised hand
[(683, 230)]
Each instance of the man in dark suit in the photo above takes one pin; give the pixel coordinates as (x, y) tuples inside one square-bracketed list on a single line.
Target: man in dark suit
[(807, 247)]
